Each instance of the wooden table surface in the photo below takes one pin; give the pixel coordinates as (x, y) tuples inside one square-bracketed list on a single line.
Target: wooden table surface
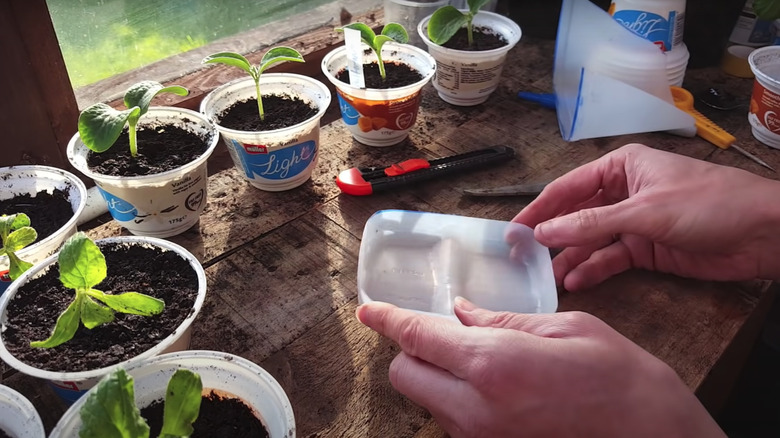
[(281, 267)]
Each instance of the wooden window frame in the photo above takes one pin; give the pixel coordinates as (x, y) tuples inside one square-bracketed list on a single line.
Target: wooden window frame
[(39, 112)]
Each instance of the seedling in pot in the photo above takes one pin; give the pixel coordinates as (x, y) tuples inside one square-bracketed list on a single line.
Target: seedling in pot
[(391, 32), (100, 125), (271, 57), (82, 267), (16, 233), (110, 410), (448, 20)]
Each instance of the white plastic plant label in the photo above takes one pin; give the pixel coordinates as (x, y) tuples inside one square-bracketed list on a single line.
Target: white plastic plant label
[(352, 41)]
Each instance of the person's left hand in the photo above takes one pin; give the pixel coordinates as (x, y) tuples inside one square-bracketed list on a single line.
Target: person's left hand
[(535, 375)]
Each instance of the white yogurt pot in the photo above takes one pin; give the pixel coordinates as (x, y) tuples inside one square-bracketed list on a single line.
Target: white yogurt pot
[(71, 385), (375, 116), (163, 204), (18, 417), (467, 78), (764, 113), (29, 180), (222, 372), (280, 159)]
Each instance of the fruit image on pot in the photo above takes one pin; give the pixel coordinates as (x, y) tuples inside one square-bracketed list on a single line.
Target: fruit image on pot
[(51, 199), (149, 163), (270, 122), (382, 110), (99, 305), (470, 47)]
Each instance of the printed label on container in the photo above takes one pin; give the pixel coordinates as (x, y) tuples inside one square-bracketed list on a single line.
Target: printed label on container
[(665, 32), (155, 208), (5, 281), (474, 78), (765, 108), (278, 165), (381, 121)]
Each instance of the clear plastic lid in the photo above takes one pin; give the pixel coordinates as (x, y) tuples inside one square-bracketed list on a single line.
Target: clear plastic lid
[(422, 261)]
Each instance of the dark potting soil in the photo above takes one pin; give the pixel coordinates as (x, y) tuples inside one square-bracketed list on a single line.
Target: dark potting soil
[(33, 312), (4, 435), (278, 112), (219, 417), (48, 212), (160, 149), (484, 39), (396, 75)]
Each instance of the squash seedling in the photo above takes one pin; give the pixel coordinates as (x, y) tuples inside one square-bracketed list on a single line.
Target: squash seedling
[(82, 267), (271, 57), (16, 233), (391, 32), (448, 20), (100, 125), (110, 410)]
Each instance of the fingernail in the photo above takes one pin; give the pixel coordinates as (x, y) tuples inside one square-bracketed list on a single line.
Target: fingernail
[(464, 304)]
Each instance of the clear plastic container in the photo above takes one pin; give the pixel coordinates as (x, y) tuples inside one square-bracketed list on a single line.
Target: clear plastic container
[(226, 373), (422, 261)]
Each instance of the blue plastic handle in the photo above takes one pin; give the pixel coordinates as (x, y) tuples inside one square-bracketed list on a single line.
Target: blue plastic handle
[(546, 100)]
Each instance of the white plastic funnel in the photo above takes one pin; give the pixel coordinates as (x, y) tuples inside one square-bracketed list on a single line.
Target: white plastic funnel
[(599, 92)]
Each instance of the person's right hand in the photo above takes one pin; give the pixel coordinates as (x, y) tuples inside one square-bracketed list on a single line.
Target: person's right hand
[(638, 207)]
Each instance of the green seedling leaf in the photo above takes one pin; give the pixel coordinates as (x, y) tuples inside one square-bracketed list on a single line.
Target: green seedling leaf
[(16, 233), (476, 5), (94, 314), (391, 32), (110, 410), (82, 265), (182, 404), (279, 54), (230, 58), (100, 125), (67, 324), (395, 32), (17, 266), (130, 302), (445, 23), (767, 9), (272, 56)]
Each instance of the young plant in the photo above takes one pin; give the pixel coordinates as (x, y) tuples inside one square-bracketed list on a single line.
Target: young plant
[(110, 410), (448, 20), (271, 57), (100, 125), (82, 267), (391, 32), (16, 233)]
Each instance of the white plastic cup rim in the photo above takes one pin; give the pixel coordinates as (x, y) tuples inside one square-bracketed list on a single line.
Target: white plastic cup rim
[(380, 93), (267, 78), (29, 370), (75, 144), (481, 19), (421, 4), (60, 174), (761, 57)]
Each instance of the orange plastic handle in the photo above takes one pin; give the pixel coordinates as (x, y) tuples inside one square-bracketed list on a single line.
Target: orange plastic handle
[(705, 128)]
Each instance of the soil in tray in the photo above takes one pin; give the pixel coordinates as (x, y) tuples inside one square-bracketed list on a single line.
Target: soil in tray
[(33, 312), (396, 75), (484, 39), (160, 149), (278, 112), (48, 212), (218, 418)]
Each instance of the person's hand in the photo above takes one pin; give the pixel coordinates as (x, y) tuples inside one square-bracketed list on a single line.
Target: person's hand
[(534, 375), (638, 207)]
